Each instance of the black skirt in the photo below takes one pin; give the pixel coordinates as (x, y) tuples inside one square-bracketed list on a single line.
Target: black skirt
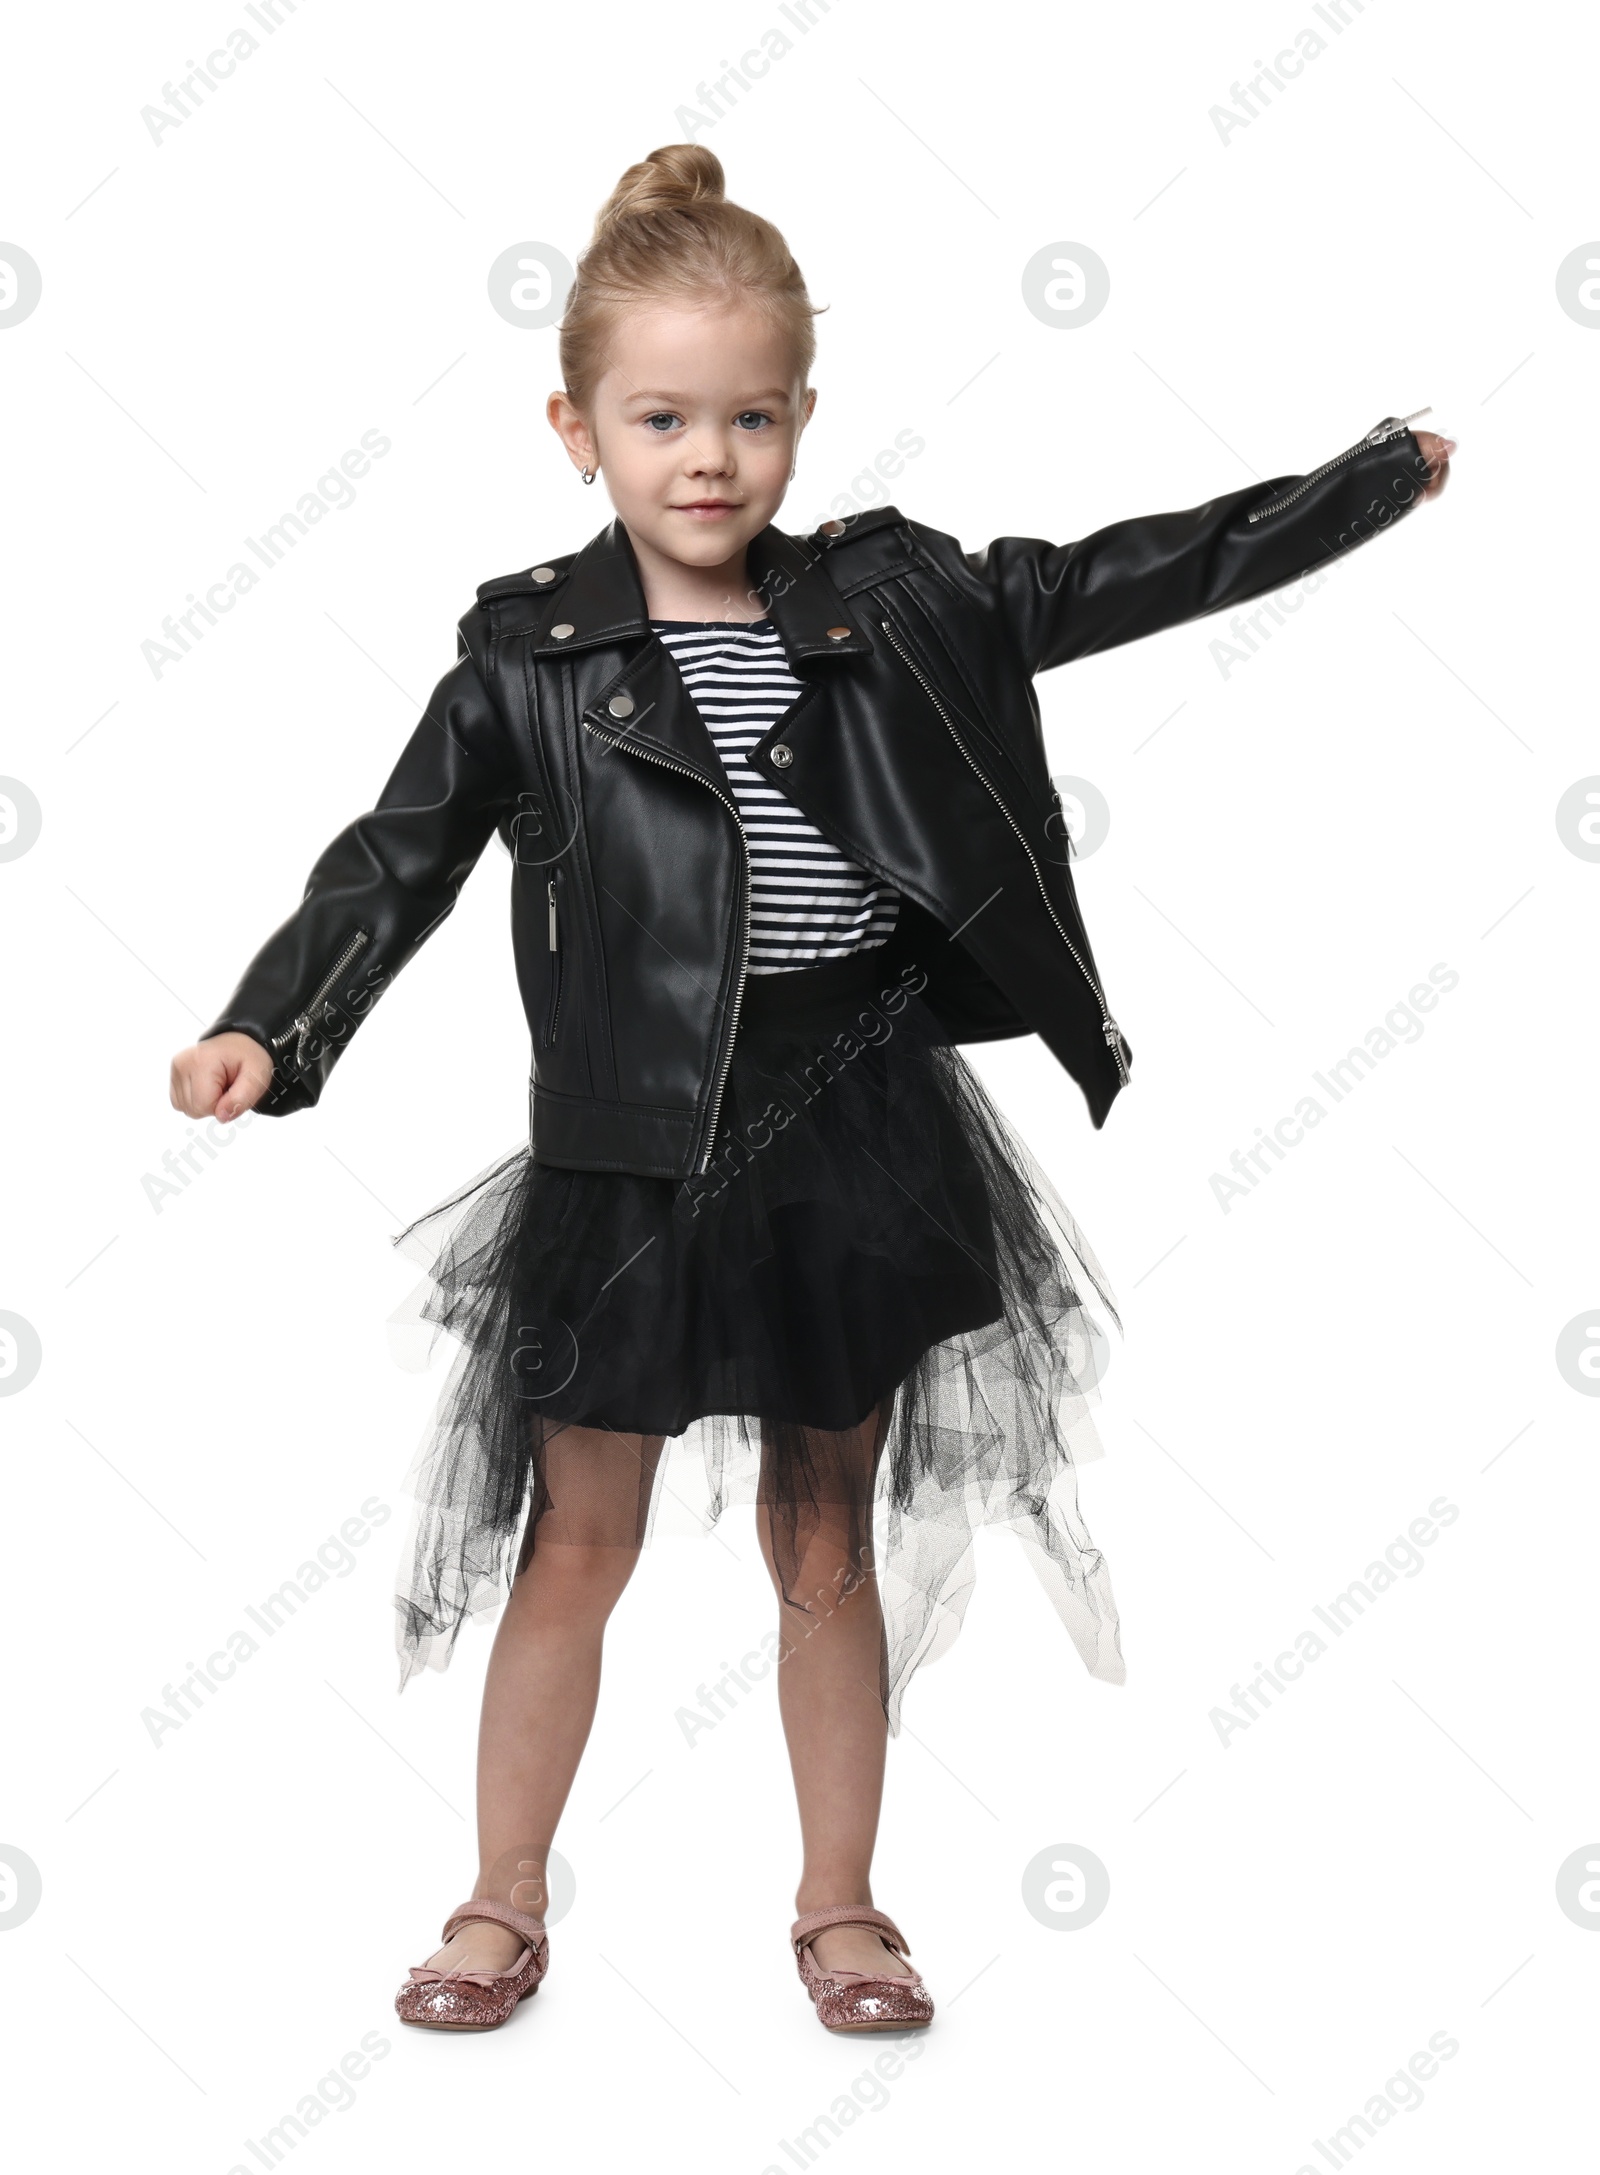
[(872, 1315)]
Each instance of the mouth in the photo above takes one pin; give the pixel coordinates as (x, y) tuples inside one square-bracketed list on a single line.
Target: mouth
[(707, 506)]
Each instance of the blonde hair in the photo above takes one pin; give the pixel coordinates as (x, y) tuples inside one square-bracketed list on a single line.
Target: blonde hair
[(667, 233)]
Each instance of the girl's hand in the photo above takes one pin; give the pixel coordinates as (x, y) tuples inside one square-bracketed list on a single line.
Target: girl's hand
[(222, 1076), (1436, 452)]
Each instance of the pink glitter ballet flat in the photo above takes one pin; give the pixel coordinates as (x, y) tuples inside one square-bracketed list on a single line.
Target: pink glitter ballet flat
[(476, 2001), (859, 2001)]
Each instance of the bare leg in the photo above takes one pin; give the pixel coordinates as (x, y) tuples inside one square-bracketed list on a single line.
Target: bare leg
[(828, 1683), (543, 1680)]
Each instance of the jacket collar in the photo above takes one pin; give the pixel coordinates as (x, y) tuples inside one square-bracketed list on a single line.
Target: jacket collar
[(601, 598)]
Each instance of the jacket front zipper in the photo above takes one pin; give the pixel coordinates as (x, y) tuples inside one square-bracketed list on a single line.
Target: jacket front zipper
[(554, 1005), (1108, 1026), (1392, 426), (623, 740), (299, 1028)]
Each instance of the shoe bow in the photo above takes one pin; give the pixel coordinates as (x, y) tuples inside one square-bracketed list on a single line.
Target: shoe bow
[(425, 1975)]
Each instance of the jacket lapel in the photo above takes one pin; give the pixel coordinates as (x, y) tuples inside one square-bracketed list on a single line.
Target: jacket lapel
[(602, 600), (601, 603), (811, 617)]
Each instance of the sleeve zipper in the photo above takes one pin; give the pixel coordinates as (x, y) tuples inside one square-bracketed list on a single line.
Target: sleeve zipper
[(1392, 426), (300, 1027), (554, 1006)]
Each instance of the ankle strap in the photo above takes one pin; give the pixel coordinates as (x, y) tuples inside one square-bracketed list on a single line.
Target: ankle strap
[(847, 1914), (500, 1914)]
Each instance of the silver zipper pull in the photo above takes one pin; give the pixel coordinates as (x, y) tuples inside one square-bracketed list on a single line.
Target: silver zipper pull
[(1392, 426), (550, 893), (299, 1028)]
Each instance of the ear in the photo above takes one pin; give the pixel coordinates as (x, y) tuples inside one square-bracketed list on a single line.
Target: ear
[(569, 426)]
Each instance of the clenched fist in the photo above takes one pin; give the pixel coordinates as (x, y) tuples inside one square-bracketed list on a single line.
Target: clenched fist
[(1436, 451), (221, 1077)]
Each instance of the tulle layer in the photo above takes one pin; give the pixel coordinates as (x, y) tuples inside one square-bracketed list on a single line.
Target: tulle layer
[(873, 1317)]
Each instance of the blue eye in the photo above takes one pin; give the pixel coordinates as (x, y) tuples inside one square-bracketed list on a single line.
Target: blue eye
[(751, 418)]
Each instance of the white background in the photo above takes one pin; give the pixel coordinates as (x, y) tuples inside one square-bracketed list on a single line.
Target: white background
[(1292, 847)]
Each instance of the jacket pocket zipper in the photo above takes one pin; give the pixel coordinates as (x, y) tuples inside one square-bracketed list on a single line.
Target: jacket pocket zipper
[(1392, 426), (554, 1006), (300, 1027), (633, 747), (1108, 1026)]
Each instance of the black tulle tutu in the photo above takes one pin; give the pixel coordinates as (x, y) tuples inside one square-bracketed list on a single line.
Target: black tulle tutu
[(872, 1313)]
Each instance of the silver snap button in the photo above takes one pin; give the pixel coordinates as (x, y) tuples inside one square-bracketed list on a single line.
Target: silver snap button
[(621, 706), (838, 634), (561, 632), (543, 574), (833, 528), (782, 755)]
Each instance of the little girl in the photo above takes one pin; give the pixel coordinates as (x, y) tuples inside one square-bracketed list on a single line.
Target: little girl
[(782, 837)]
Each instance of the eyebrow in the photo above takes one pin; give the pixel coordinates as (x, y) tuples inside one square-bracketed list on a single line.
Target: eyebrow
[(678, 400)]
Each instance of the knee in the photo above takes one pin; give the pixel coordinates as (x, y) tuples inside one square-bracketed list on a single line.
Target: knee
[(574, 1580), (825, 1574)]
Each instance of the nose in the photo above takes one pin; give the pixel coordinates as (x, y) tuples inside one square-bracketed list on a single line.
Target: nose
[(710, 453)]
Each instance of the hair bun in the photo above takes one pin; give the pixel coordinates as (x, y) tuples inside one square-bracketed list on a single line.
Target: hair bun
[(675, 175), (668, 237)]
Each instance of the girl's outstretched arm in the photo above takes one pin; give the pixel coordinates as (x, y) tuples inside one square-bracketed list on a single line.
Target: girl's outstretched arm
[(375, 894), (1135, 577)]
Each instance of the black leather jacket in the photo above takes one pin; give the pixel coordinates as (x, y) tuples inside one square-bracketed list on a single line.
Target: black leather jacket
[(916, 747)]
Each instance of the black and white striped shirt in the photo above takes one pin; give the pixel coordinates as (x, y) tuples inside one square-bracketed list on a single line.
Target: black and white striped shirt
[(808, 902)]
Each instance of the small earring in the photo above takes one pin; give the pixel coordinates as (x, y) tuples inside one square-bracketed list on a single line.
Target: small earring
[(588, 475)]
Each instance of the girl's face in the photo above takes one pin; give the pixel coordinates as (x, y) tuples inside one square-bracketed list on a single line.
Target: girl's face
[(696, 424)]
